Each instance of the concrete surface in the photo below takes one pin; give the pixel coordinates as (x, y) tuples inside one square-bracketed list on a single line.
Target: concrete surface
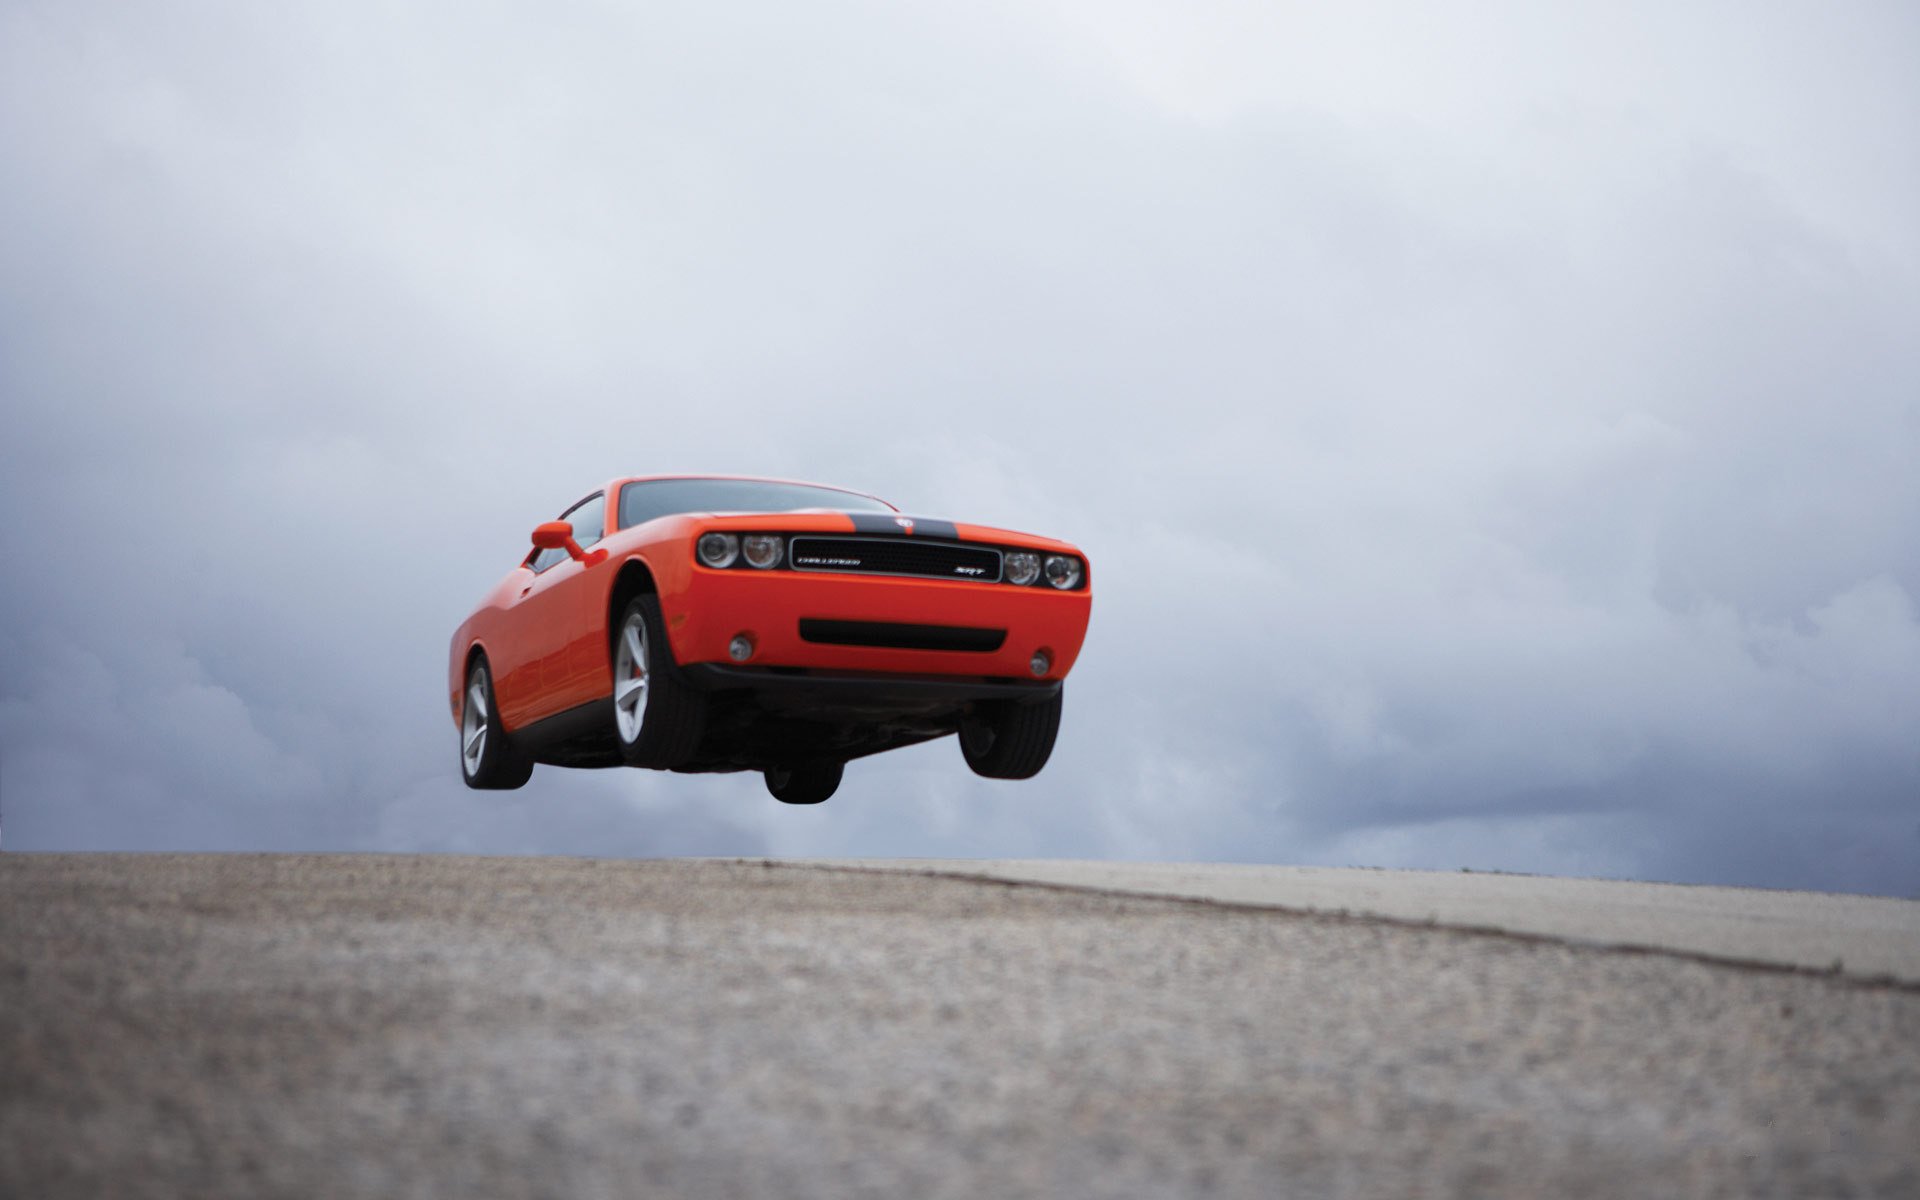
[(1863, 936), (269, 1026)]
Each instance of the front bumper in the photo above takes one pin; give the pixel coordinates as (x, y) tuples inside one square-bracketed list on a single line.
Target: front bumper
[(716, 606)]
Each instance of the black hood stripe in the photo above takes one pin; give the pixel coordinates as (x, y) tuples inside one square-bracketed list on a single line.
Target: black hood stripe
[(891, 525)]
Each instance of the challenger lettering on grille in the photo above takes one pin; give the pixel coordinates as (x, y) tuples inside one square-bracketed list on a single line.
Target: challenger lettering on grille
[(896, 556)]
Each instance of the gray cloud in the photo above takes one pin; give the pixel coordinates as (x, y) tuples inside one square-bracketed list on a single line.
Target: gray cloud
[(1494, 437)]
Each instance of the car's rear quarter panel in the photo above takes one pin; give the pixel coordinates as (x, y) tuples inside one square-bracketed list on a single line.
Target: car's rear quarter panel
[(487, 630)]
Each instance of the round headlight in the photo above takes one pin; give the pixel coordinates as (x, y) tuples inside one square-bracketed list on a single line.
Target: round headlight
[(718, 549), (762, 550), (1063, 572), (1022, 568)]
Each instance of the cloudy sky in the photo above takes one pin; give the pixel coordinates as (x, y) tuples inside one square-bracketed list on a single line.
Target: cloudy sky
[(1496, 430)]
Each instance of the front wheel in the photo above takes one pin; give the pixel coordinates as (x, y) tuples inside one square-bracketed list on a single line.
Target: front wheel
[(657, 718), (1005, 739), (805, 785)]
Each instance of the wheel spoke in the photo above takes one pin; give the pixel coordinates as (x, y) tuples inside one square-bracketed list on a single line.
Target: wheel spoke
[(474, 724), (630, 680)]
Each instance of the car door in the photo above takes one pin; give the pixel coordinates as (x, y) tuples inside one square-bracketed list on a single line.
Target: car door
[(585, 664), (550, 617)]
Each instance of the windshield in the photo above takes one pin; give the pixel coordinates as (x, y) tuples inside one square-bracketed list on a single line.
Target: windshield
[(646, 499)]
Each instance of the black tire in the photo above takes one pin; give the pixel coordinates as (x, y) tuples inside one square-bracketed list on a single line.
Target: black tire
[(488, 759), (663, 727), (1005, 739), (805, 785)]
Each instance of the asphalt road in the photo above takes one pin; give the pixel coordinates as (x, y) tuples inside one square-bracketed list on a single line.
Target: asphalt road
[(1868, 937), (392, 1026)]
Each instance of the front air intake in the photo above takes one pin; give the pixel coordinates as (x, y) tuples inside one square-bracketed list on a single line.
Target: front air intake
[(892, 636)]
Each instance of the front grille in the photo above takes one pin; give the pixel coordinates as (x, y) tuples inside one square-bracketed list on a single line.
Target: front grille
[(895, 636), (895, 556)]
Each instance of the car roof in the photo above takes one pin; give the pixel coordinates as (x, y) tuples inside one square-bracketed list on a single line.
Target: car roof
[(614, 486)]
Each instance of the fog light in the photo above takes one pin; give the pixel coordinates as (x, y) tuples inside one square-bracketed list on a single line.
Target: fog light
[(740, 649), (1040, 663)]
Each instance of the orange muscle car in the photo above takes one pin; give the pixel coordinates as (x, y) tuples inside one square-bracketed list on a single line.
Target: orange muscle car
[(711, 623)]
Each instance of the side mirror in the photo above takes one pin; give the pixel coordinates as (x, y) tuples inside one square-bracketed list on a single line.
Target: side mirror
[(555, 535), (558, 535)]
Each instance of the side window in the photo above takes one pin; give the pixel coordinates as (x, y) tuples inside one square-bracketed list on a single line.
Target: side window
[(589, 521)]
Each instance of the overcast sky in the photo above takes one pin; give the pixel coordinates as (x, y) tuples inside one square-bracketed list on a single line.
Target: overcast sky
[(1496, 430)]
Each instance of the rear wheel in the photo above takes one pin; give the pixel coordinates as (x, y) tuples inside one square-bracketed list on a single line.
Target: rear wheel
[(657, 718), (805, 785), (1005, 739), (488, 759)]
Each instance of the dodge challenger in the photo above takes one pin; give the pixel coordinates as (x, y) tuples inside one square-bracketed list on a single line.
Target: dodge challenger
[(716, 623)]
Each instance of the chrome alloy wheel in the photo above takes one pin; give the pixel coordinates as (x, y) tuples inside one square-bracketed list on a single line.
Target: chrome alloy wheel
[(630, 664), (474, 723)]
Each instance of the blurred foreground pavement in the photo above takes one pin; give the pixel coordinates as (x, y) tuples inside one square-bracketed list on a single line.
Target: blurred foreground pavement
[(408, 1026)]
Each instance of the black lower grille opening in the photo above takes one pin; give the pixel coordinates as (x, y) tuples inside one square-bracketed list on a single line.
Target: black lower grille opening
[(894, 636)]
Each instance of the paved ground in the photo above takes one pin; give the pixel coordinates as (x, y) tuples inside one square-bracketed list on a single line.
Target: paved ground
[(1863, 936), (392, 1026)]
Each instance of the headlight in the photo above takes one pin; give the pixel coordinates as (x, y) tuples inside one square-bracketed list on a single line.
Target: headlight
[(1063, 572), (1022, 567), (762, 550), (718, 549)]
